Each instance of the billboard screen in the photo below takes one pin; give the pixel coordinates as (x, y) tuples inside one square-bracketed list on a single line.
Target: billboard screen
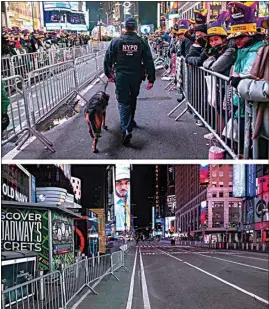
[(239, 180), (146, 29), (63, 16), (122, 197), (203, 213), (170, 225), (171, 204), (204, 174), (251, 180)]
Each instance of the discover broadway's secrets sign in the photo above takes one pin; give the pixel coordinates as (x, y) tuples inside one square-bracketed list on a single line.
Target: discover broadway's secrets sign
[(25, 229)]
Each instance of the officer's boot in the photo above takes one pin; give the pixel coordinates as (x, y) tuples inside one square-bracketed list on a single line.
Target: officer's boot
[(126, 139)]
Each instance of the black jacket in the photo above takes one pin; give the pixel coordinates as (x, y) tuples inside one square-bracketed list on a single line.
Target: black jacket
[(196, 55), (184, 47), (147, 63)]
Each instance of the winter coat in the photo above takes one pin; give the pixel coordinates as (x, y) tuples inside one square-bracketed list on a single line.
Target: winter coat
[(223, 63), (244, 62), (184, 47), (196, 55)]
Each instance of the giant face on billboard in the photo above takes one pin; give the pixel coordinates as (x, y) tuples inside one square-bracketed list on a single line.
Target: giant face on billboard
[(122, 197)]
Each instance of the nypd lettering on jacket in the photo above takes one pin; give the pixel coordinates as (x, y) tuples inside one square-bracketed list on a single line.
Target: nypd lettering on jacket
[(130, 49)]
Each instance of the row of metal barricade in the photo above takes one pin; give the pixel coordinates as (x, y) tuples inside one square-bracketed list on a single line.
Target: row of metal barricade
[(209, 95), (23, 64), (45, 90), (227, 245), (59, 289)]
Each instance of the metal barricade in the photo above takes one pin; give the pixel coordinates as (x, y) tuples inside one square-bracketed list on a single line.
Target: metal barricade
[(49, 88), (85, 70), (74, 280), (100, 56), (18, 112), (61, 55), (43, 292), (6, 66), (98, 267), (207, 94), (116, 261), (23, 64)]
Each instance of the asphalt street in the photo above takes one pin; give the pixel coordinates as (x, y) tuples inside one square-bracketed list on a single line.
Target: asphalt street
[(182, 277), (157, 137)]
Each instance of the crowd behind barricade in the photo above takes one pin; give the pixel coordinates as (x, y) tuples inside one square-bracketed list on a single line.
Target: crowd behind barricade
[(16, 41), (235, 45)]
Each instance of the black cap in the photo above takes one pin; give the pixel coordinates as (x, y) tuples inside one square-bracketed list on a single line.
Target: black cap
[(130, 23)]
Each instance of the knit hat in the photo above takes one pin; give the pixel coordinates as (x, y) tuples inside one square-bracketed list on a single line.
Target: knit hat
[(202, 28), (200, 16), (218, 27), (242, 17)]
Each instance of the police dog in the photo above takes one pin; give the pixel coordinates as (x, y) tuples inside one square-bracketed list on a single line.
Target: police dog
[(95, 116)]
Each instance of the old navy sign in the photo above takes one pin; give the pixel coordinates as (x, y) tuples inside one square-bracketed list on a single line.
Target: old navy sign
[(13, 194)]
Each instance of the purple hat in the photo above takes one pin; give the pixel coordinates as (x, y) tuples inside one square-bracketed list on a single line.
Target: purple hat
[(183, 26), (218, 27), (259, 23), (242, 17), (200, 16)]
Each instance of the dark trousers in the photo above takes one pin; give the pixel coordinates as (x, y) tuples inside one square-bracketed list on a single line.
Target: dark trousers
[(127, 91)]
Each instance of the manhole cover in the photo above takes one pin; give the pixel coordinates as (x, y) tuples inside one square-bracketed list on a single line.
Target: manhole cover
[(155, 98)]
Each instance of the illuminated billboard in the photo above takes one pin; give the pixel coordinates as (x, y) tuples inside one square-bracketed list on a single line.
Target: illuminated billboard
[(203, 213), (204, 174), (251, 180), (64, 16), (146, 29), (239, 180), (122, 197), (171, 204), (170, 225)]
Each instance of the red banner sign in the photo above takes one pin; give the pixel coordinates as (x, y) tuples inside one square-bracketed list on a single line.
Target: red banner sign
[(261, 226)]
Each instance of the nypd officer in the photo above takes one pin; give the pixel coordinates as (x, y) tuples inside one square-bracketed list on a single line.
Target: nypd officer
[(130, 56)]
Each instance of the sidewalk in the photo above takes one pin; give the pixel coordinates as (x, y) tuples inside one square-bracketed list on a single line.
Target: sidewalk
[(112, 294), (158, 136)]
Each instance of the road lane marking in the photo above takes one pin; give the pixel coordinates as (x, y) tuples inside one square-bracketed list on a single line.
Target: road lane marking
[(170, 255), (213, 257), (144, 285), (253, 258), (224, 281), (131, 291)]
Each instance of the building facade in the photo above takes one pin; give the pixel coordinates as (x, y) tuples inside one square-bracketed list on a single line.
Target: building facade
[(76, 183), (189, 196), (23, 14), (208, 210), (224, 210)]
